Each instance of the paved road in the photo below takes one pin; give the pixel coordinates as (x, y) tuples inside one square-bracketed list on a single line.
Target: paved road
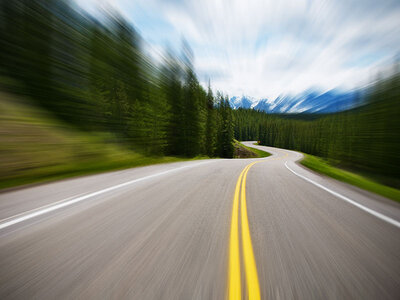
[(169, 232)]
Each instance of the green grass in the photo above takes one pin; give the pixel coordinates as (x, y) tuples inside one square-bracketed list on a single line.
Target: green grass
[(322, 166), (73, 169), (242, 151), (260, 153), (35, 147)]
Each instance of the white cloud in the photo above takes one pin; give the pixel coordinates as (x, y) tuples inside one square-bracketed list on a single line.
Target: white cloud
[(265, 48)]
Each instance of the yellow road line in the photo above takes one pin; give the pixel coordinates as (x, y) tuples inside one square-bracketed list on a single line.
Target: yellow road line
[(234, 284), (253, 287)]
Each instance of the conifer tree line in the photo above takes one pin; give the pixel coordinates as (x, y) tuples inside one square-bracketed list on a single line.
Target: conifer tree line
[(366, 138), (95, 75)]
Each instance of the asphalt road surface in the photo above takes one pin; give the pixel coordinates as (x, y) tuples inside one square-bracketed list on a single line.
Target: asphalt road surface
[(209, 229)]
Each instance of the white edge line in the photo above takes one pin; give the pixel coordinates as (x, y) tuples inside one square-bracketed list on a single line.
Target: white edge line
[(364, 208), (38, 208), (49, 208)]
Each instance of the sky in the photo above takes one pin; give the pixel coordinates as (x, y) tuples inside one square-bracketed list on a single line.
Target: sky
[(263, 48)]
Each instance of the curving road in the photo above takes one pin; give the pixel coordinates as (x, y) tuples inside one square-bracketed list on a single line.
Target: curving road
[(200, 230)]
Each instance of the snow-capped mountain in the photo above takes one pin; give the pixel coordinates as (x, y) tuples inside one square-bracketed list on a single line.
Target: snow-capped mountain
[(241, 102), (307, 102)]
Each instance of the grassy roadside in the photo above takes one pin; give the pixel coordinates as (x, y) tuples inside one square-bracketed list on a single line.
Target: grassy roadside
[(35, 147), (260, 153), (242, 151), (73, 169), (322, 166)]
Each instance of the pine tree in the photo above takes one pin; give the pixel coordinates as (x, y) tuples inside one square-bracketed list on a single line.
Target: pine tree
[(211, 132)]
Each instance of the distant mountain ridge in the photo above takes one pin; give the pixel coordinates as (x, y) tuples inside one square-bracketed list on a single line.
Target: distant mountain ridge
[(241, 102), (307, 102)]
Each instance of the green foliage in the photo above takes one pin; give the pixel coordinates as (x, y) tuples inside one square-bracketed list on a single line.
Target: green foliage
[(322, 166), (211, 124), (40, 148), (242, 151), (258, 152), (95, 76), (366, 138), (225, 146)]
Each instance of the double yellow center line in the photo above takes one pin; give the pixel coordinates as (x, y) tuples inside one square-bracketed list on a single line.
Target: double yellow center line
[(234, 277)]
